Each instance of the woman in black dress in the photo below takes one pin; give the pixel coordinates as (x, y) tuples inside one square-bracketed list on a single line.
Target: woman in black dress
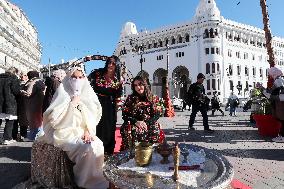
[(106, 84)]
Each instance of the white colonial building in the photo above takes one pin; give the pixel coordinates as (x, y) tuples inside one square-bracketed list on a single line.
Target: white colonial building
[(232, 55), (19, 45)]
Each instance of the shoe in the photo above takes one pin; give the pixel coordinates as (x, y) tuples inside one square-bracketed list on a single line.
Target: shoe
[(191, 128), (278, 139), (27, 140), (7, 142), (209, 130)]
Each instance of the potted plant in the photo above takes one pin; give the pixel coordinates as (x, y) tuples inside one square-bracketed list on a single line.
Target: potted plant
[(266, 123)]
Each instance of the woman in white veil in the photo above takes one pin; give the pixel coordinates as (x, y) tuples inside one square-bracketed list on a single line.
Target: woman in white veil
[(70, 124)]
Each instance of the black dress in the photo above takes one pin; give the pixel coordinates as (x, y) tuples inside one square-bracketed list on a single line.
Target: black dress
[(107, 92)]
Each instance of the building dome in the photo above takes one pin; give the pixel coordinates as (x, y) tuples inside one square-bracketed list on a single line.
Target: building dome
[(207, 9), (128, 29)]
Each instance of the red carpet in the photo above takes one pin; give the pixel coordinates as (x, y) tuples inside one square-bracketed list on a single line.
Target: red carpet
[(117, 140), (236, 184)]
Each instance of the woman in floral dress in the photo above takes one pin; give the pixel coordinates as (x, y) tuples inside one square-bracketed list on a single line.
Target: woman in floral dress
[(140, 114), (106, 84)]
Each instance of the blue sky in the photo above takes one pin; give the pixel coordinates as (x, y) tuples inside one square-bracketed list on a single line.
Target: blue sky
[(73, 28)]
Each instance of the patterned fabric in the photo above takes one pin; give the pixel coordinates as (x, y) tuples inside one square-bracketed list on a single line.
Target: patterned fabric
[(136, 109), (50, 167)]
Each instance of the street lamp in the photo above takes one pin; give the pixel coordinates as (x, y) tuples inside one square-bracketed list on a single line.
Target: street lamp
[(141, 51)]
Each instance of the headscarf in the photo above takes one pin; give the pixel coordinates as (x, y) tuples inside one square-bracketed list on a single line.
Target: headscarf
[(275, 72), (59, 115), (59, 74)]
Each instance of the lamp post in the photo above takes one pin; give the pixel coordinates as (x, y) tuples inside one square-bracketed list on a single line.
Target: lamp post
[(268, 39), (169, 112), (141, 51)]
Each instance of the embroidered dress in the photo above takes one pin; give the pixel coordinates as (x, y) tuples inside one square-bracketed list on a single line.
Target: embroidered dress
[(139, 109), (107, 91)]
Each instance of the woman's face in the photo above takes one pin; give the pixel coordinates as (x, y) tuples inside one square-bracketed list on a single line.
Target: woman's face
[(77, 74), (111, 65), (139, 87)]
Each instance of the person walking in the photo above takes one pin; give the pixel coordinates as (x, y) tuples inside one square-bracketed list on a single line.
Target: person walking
[(233, 102), (200, 102), (215, 103), (106, 84), (9, 89)]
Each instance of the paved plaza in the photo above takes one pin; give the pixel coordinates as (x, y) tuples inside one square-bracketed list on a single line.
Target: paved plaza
[(258, 162)]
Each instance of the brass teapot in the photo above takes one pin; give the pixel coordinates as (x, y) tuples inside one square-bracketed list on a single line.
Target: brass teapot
[(143, 154)]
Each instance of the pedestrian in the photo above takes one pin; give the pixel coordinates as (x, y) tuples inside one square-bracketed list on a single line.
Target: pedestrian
[(233, 102), (52, 84), (215, 103), (70, 124), (140, 114), (200, 102), (34, 95), (277, 99), (9, 89), (107, 85), (21, 112)]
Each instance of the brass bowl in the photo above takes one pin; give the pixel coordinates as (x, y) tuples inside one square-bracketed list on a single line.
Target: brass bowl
[(165, 150), (165, 153), (143, 154)]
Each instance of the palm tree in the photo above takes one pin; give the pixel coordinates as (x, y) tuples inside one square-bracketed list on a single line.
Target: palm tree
[(268, 38)]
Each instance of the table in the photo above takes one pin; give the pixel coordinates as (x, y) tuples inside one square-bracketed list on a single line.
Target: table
[(217, 172)]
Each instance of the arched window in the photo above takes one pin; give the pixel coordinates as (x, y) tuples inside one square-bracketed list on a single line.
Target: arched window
[(213, 67), (231, 85), (218, 68), (230, 70), (213, 84), (180, 39), (206, 34), (211, 33), (186, 38), (207, 68), (167, 41), (208, 84), (161, 43), (173, 41)]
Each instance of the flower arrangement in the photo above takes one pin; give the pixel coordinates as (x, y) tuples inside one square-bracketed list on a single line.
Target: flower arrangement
[(160, 104), (265, 107)]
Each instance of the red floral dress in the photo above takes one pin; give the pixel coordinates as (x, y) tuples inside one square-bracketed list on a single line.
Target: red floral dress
[(136, 109)]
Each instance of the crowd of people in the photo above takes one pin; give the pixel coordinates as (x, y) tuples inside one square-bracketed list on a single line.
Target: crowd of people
[(78, 114)]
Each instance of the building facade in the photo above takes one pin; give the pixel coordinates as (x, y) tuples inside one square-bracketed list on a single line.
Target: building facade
[(232, 55), (19, 44)]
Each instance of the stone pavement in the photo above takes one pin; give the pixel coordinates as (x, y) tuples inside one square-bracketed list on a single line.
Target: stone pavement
[(258, 162)]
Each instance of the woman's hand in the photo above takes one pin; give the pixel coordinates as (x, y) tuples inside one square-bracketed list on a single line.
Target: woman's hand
[(141, 126), (87, 138)]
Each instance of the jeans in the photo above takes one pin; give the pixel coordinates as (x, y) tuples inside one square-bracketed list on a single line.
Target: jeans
[(33, 132)]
